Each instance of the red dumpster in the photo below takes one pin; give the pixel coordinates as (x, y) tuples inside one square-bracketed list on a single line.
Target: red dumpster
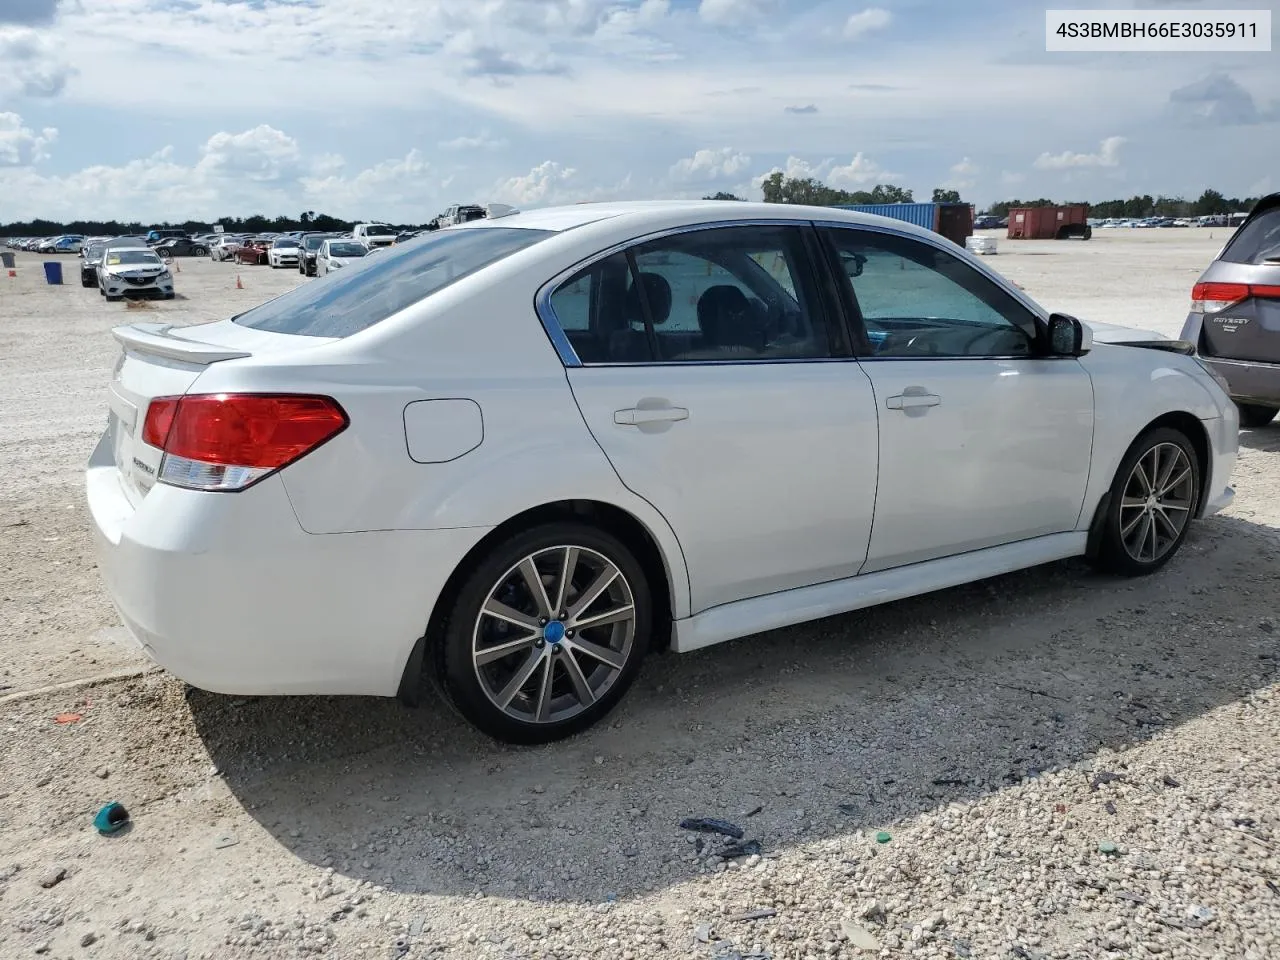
[(1049, 223)]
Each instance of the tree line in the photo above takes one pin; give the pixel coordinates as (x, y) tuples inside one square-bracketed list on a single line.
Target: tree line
[(778, 188)]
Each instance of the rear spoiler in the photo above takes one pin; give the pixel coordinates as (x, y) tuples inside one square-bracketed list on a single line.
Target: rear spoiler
[(1184, 347), (155, 339)]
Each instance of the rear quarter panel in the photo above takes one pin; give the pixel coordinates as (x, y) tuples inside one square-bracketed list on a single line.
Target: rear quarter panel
[(1133, 386), (477, 341)]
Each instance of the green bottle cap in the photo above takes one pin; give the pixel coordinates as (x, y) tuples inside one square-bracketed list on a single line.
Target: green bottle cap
[(1108, 847), (883, 837)]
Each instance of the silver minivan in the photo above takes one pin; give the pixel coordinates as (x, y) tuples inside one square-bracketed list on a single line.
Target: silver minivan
[(1235, 314)]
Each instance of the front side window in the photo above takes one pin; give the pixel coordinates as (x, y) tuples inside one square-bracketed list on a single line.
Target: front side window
[(355, 298), (720, 294), (919, 301)]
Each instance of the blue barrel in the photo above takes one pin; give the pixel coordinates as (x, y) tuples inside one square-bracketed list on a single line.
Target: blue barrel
[(53, 272)]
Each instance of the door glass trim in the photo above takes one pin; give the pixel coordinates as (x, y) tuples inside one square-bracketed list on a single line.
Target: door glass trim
[(569, 357), (951, 249), (857, 324)]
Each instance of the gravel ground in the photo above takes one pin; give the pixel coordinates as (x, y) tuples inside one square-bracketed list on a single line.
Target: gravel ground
[(1059, 764)]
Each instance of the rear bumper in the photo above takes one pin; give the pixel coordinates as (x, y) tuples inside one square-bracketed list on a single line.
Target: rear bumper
[(227, 592), (1250, 381)]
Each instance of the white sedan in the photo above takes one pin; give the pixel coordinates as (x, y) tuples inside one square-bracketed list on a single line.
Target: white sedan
[(283, 252), (133, 272), (509, 458), (224, 247), (337, 253)]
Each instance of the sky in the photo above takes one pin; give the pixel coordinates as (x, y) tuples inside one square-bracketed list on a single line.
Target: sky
[(394, 109)]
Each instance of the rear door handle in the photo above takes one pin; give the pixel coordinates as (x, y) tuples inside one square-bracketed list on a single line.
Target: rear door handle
[(636, 416), (910, 401)]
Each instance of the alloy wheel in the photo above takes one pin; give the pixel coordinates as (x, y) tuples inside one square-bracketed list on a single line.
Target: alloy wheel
[(1158, 498), (554, 634)]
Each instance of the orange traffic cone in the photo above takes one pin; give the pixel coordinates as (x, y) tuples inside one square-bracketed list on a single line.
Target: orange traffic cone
[(239, 285), (13, 273)]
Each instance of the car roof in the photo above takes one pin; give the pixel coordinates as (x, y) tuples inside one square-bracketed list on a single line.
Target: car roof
[(657, 214)]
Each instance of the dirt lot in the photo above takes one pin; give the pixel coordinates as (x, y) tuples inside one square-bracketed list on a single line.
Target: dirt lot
[(999, 733)]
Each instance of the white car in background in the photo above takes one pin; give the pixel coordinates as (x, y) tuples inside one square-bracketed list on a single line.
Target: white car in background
[(224, 247), (133, 272), (374, 234), (284, 252), (510, 458), (335, 254)]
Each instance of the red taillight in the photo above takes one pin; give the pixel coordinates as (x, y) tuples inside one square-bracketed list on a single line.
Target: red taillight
[(1212, 297), (159, 418), (226, 441)]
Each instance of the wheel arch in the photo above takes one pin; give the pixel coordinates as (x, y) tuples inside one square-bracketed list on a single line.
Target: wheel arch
[(664, 579), (1189, 426)]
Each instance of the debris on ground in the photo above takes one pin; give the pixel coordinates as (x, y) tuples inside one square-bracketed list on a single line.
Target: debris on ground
[(859, 936), (712, 825), (754, 915), (1103, 777), (111, 818), (53, 877), (740, 848), (884, 836)]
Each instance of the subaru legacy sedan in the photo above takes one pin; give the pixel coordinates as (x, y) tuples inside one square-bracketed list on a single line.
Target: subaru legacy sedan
[(508, 459)]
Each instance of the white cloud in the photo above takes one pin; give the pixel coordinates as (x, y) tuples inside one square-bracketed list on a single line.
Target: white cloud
[(21, 146), (258, 170), (963, 175), (542, 185), (262, 154), (706, 166), (400, 189), (867, 21), (859, 171), (731, 13), (30, 64), (480, 142), (1011, 178), (1108, 155)]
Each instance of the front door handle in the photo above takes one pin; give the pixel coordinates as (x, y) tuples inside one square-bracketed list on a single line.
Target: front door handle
[(637, 416), (910, 401)]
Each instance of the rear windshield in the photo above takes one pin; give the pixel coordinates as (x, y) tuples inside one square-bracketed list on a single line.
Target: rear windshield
[(357, 297), (1258, 241), (352, 249)]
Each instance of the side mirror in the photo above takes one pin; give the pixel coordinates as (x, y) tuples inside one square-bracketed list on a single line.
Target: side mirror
[(1068, 337)]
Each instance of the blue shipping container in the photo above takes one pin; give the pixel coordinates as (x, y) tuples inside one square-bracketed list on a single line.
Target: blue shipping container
[(921, 214)]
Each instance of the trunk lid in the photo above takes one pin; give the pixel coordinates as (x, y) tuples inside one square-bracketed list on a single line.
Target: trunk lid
[(162, 360)]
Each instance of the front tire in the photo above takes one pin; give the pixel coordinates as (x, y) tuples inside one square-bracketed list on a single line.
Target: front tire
[(1254, 416), (546, 634), (1151, 505)]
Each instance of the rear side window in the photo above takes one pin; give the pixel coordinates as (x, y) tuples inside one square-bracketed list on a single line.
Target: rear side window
[(1258, 241), (361, 295)]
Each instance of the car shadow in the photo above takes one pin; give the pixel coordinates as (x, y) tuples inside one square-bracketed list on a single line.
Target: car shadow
[(854, 722), (1265, 439)]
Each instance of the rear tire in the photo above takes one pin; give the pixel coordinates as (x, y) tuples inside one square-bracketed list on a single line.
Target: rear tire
[(560, 676), (1151, 504), (1254, 416)]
